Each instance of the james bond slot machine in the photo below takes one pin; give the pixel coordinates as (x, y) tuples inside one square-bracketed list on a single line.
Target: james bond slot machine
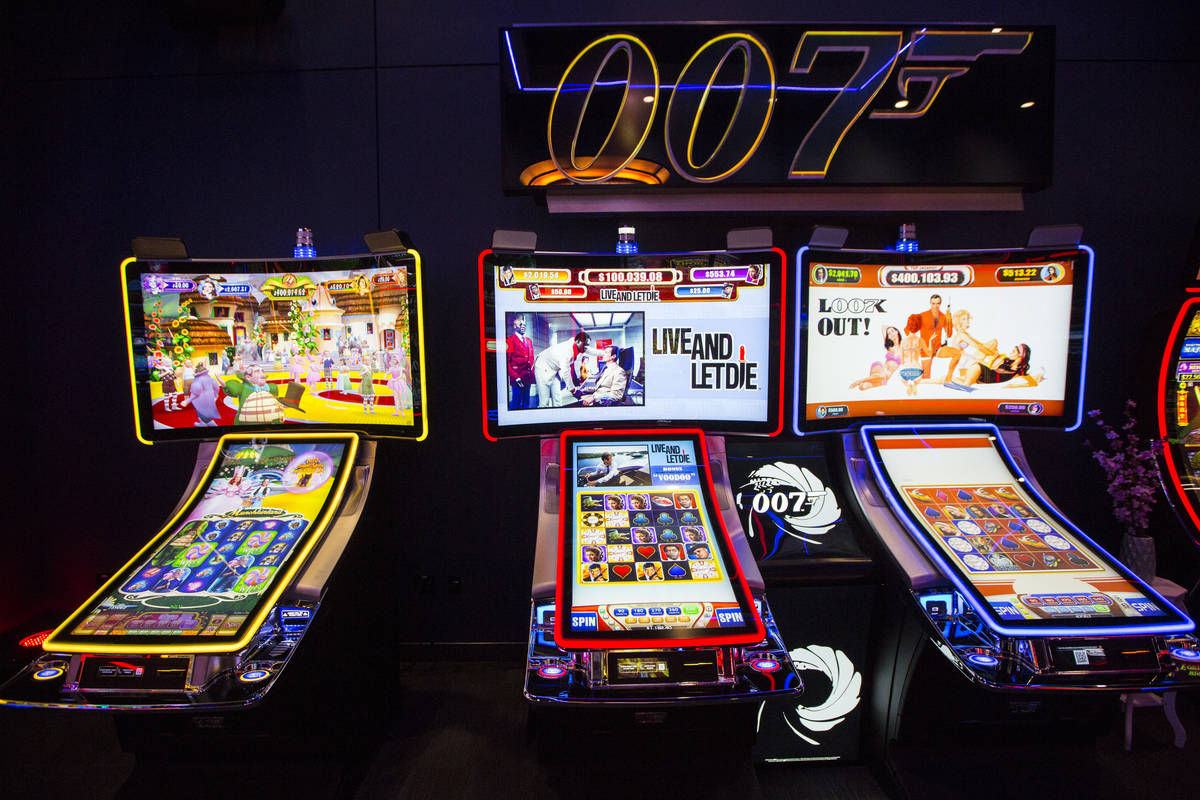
[(924, 364), (284, 371), (644, 592)]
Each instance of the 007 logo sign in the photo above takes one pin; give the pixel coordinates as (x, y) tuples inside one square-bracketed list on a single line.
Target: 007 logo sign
[(720, 101)]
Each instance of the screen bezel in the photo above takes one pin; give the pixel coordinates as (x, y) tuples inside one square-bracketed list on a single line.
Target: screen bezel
[(138, 377), (62, 642), (1170, 364), (1079, 322), (489, 349), (751, 632), (1172, 622)]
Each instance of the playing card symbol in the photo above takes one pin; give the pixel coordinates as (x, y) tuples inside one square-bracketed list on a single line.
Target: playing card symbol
[(622, 570), (646, 552)]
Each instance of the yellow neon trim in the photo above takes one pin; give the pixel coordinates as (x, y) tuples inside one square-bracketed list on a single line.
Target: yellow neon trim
[(333, 503), (421, 346), (546, 173), (762, 131), (986, 51), (624, 38), (907, 77), (865, 52), (137, 414)]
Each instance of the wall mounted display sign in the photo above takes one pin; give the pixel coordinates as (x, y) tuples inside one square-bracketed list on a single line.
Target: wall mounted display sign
[(653, 107)]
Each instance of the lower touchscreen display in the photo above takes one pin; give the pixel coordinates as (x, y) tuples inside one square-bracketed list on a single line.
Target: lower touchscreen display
[(644, 552), (208, 576), (1029, 567)]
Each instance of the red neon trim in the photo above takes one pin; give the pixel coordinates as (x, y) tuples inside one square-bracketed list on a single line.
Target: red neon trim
[(783, 318), (483, 404), (1172, 470), (783, 339), (569, 641), (35, 640)]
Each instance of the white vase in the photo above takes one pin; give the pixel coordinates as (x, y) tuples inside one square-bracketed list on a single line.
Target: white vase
[(1137, 553)]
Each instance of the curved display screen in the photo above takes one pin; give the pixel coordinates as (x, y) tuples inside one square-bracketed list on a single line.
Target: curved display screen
[(206, 582), (643, 556), (990, 335), (325, 343), (572, 339), (1028, 569)]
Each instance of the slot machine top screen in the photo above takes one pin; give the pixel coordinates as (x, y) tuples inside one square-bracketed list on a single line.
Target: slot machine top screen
[(997, 336), (572, 339), (276, 345)]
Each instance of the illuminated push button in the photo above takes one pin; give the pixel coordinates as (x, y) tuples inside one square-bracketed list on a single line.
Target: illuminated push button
[(765, 664), (254, 676), (48, 674), (983, 660), (552, 672), (1185, 654)]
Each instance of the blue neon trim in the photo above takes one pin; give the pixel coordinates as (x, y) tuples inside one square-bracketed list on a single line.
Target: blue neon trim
[(968, 590), (1087, 327), (797, 398), (1185, 654), (578, 87), (512, 58)]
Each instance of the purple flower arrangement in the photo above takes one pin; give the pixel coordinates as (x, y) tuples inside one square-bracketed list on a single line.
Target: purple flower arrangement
[(1129, 465)]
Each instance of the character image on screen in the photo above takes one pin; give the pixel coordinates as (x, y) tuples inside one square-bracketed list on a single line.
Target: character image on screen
[(617, 468), (994, 340), (561, 364), (519, 357)]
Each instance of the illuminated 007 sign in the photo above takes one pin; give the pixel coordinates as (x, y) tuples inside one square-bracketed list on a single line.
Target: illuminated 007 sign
[(776, 105)]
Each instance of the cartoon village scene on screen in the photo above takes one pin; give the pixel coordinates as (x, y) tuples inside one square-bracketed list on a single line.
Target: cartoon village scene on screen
[(259, 349), (206, 577)]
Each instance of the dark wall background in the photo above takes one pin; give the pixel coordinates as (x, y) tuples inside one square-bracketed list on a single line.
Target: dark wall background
[(132, 119)]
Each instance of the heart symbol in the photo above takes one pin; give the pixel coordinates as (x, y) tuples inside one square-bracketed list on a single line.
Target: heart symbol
[(646, 552), (622, 570)]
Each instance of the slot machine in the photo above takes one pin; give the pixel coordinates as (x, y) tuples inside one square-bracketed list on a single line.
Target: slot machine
[(644, 593), (921, 372), (283, 372)]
